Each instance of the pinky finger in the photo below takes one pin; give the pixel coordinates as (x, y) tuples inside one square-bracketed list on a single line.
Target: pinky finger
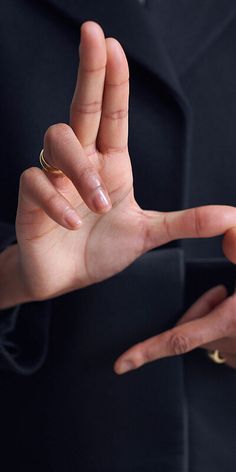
[(37, 192)]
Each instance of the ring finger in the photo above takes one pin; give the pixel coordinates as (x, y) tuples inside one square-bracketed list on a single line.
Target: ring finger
[(63, 151)]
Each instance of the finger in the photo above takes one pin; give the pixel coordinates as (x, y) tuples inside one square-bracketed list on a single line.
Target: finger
[(113, 131), (204, 305), (180, 339), (229, 245), (63, 150), (230, 360), (201, 222), (86, 104), (37, 192)]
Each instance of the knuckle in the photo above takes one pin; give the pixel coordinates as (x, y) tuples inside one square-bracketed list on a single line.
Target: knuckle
[(117, 114), (87, 108), (56, 132), (28, 177), (53, 200), (179, 344), (85, 173)]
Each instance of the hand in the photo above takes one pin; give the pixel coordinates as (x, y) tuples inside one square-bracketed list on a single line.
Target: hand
[(209, 323), (81, 228)]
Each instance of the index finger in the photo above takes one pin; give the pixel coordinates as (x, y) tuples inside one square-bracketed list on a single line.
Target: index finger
[(180, 339)]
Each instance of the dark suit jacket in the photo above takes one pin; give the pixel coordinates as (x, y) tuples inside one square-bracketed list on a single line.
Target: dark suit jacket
[(62, 406)]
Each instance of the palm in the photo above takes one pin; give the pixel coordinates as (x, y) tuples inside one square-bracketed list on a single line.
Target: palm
[(104, 245)]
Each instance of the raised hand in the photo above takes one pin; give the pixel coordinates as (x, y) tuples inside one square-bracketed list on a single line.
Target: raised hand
[(84, 226)]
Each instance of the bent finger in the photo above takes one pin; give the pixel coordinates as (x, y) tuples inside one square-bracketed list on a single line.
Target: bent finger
[(37, 192), (63, 150)]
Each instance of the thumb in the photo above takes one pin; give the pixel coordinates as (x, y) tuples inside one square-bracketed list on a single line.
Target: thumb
[(200, 222)]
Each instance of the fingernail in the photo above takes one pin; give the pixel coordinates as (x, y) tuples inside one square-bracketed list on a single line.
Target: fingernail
[(101, 200), (125, 367), (72, 218)]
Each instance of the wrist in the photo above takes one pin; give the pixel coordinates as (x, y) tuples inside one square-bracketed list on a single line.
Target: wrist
[(12, 286)]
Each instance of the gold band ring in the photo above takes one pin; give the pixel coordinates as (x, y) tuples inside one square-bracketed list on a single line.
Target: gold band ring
[(216, 357), (47, 167)]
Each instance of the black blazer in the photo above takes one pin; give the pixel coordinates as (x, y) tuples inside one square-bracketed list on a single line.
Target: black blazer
[(62, 406)]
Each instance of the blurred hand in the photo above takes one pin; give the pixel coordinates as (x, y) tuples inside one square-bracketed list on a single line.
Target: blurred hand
[(209, 323), (82, 227)]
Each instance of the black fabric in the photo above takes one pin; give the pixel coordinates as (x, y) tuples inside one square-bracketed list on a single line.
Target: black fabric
[(210, 388), (74, 413), (188, 28), (78, 414), (24, 330)]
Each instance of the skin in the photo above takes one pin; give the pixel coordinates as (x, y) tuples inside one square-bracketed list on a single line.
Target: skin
[(85, 225)]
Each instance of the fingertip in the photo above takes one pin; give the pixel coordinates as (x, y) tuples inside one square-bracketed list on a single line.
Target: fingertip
[(92, 49), (115, 52), (116, 369), (123, 367), (221, 290), (91, 28), (72, 219)]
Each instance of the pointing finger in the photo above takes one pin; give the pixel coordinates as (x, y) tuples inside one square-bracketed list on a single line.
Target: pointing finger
[(180, 339)]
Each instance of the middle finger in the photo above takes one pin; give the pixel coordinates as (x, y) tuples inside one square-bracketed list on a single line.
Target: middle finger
[(86, 105)]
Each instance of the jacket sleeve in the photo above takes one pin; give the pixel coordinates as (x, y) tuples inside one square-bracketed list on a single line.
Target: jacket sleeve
[(24, 329)]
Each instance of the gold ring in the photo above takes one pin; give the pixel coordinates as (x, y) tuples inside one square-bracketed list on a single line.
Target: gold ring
[(216, 357), (47, 167)]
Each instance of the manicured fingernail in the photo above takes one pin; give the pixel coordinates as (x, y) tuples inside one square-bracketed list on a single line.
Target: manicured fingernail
[(125, 366), (72, 218), (101, 200)]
